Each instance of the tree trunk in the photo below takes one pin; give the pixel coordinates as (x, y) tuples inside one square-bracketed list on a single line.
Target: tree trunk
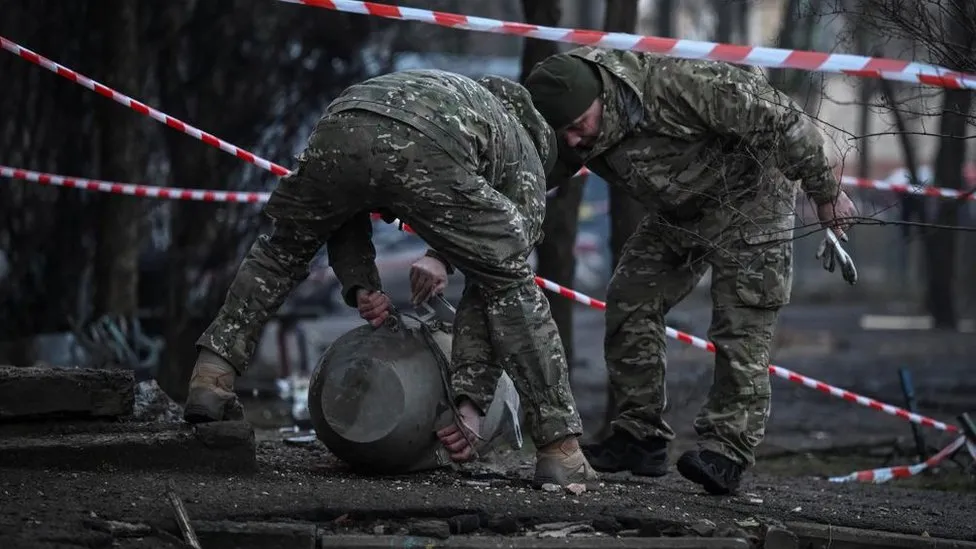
[(941, 245), (724, 12), (625, 212), (116, 273), (555, 253)]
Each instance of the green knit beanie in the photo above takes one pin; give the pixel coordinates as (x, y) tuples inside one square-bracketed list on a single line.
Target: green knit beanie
[(563, 87)]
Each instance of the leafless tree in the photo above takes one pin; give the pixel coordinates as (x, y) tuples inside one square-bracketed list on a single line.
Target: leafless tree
[(941, 32), (255, 75)]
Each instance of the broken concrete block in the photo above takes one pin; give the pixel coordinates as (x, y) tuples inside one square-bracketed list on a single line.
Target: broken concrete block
[(225, 446), (65, 392), (438, 529), (257, 535), (328, 541)]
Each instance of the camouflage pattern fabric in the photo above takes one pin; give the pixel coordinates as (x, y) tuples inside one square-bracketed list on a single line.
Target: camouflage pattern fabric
[(446, 156), (712, 151)]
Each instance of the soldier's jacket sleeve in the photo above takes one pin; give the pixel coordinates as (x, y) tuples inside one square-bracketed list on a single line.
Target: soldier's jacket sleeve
[(746, 106), (439, 257), (352, 257)]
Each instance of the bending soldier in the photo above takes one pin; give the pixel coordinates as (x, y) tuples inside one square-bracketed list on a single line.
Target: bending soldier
[(712, 152), (464, 164)]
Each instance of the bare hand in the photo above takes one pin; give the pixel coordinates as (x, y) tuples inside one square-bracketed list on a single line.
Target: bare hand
[(428, 277), (374, 307), (838, 215), (459, 435)]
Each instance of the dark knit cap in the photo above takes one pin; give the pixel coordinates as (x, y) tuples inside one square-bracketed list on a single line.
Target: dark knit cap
[(563, 87)]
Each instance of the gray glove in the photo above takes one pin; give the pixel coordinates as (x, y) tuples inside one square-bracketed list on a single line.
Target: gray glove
[(831, 253)]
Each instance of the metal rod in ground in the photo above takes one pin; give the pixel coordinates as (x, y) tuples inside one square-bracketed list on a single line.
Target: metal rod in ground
[(182, 518), (968, 428), (908, 389)]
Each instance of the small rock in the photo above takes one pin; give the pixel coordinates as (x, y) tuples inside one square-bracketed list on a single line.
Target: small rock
[(430, 528), (152, 404), (379, 530)]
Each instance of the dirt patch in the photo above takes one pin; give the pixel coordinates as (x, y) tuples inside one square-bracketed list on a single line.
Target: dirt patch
[(306, 484)]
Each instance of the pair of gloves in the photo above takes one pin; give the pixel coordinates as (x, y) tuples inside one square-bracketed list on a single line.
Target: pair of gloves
[(831, 253)]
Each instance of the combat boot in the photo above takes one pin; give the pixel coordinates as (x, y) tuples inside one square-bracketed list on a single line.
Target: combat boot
[(621, 451), (563, 464), (717, 473), (211, 396)]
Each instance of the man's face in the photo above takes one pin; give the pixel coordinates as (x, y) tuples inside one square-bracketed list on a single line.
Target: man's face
[(584, 131)]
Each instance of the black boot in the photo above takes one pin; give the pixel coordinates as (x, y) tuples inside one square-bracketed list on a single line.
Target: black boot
[(717, 473), (623, 452)]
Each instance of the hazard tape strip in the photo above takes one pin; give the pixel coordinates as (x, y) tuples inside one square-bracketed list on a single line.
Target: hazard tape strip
[(775, 370), (171, 193), (851, 65), (885, 474), (209, 195), (142, 108)]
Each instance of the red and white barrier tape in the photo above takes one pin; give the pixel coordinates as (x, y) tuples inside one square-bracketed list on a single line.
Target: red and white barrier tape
[(885, 474), (141, 108), (207, 195), (851, 65), (778, 371), (172, 193)]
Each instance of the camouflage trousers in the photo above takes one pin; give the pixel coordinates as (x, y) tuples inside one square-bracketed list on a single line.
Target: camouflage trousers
[(751, 260), (356, 162)]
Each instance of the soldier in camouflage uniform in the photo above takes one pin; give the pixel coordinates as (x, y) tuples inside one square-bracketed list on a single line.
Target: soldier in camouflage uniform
[(712, 152), (462, 163)]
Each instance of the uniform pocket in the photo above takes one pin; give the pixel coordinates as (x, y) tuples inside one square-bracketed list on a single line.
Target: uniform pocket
[(766, 281)]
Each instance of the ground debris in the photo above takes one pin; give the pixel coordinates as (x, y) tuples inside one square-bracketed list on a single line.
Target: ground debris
[(117, 528), (563, 529)]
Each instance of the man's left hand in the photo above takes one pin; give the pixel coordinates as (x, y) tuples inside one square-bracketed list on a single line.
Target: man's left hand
[(374, 306)]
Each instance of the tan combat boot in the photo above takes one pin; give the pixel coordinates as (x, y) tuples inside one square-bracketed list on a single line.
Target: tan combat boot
[(211, 396), (563, 464)]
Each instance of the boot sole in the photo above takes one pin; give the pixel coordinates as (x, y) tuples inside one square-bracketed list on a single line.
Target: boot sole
[(689, 468)]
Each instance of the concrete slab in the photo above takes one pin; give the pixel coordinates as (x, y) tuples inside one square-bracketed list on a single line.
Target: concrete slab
[(213, 447), (65, 392)]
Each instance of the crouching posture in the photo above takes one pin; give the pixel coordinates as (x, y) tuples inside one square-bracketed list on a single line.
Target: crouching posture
[(464, 164), (712, 152)]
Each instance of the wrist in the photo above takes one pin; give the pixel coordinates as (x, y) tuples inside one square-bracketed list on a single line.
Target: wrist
[(447, 266)]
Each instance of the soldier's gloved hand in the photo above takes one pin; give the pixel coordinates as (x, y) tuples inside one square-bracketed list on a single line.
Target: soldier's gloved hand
[(374, 306), (428, 277), (832, 254)]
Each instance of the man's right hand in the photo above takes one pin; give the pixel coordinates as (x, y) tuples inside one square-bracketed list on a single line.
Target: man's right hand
[(428, 277), (374, 306), (837, 215)]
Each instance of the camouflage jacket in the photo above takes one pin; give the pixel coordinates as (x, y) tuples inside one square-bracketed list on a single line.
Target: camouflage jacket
[(484, 126), (478, 128), (678, 133)]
